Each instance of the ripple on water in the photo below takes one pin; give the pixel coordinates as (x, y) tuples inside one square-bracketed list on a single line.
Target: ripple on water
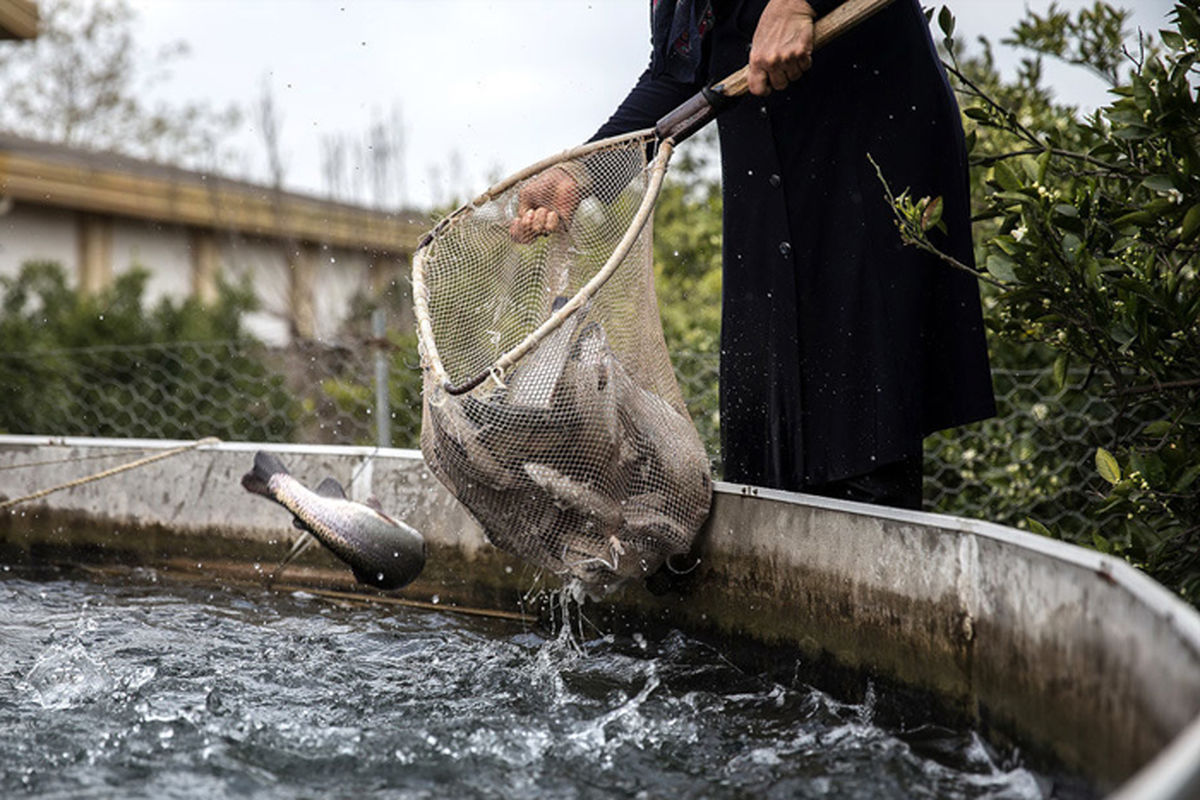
[(148, 691)]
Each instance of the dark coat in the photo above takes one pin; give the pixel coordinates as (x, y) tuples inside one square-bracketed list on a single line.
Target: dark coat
[(840, 347)]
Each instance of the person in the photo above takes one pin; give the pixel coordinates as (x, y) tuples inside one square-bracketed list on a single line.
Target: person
[(841, 348)]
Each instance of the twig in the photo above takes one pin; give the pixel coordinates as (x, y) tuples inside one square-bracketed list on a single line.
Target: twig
[(1158, 387)]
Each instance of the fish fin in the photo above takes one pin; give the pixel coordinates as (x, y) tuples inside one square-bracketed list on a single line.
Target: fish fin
[(265, 465), (301, 525), (303, 543), (376, 506), (330, 488), (368, 578)]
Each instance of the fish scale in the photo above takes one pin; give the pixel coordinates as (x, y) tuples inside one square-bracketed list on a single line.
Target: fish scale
[(381, 551)]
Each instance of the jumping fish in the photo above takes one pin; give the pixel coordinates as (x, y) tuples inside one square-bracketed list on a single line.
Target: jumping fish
[(381, 551)]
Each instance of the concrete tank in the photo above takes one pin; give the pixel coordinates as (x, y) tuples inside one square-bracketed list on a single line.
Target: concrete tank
[(1074, 654)]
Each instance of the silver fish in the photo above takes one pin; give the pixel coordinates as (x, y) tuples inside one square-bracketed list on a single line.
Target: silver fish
[(381, 551), (536, 377), (573, 464)]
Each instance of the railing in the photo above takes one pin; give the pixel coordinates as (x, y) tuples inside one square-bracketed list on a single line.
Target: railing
[(1035, 459)]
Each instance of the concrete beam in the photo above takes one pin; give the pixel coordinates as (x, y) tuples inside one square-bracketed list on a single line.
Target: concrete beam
[(205, 264), (302, 266), (125, 187), (94, 267)]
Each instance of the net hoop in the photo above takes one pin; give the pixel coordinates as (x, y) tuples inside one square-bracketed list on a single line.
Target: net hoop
[(428, 347)]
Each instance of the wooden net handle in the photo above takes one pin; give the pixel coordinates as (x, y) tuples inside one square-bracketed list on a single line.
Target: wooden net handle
[(826, 29)]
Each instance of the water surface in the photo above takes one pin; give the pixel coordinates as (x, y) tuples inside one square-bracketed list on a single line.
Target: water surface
[(137, 688)]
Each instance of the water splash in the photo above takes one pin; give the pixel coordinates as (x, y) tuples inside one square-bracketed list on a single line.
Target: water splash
[(154, 690)]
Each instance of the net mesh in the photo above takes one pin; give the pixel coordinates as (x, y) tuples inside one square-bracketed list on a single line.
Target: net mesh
[(581, 457)]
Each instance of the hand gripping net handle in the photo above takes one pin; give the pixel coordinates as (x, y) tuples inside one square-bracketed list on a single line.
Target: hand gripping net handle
[(701, 109), (673, 128), (657, 170)]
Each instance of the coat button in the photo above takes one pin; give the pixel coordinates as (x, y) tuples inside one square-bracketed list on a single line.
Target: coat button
[(762, 111), (785, 249), (774, 180)]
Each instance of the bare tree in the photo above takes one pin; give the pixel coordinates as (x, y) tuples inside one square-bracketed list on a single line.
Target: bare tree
[(371, 167), (84, 82), (385, 159), (333, 165), (269, 120)]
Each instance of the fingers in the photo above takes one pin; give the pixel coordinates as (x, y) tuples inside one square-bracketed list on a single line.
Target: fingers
[(763, 80), (544, 205), (781, 51), (534, 222)]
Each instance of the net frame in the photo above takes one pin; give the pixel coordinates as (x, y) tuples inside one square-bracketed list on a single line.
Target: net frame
[(656, 170), (610, 481)]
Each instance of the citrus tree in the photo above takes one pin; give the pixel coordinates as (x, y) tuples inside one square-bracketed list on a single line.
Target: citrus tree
[(1091, 256)]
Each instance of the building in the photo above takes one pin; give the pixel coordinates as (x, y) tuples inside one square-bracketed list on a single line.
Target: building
[(99, 214)]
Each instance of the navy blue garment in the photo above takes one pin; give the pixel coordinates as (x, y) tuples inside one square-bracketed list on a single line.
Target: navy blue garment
[(678, 29), (840, 347)]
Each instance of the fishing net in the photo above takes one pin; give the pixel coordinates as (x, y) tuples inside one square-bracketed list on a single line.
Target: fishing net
[(551, 409)]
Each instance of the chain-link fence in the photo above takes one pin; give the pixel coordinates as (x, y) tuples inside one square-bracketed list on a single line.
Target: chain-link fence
[(1033, 460), (232, 390)]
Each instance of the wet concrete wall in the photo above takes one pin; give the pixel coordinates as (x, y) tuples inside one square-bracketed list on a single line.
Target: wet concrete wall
[(1072, 652)]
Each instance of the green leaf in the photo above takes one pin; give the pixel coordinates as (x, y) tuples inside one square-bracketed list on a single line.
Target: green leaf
[(1133, 133), (1138, 218), (946, 21), (1158, 428), (1043, 163), (1039, 528), (1071, 245), (932, 214), (1060, 370), (1006, 178), (1159, 183), (1188, 21), (1100, 543), (1108, 467), (1186, 480), (1191, 224), (1001, 267), (1172, 39)]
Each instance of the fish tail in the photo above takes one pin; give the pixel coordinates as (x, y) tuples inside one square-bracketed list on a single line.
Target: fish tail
[(265, 465)]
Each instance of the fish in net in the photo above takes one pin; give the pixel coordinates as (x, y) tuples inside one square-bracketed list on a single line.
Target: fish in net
[(580, 456)]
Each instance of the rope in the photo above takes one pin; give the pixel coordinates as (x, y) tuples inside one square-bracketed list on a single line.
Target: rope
[(359, 597), (108, 473), (70, 460)]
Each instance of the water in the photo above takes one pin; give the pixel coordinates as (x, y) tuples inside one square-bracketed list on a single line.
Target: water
[(137, 689)]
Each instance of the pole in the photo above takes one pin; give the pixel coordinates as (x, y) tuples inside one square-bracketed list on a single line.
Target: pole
[(383, 416)]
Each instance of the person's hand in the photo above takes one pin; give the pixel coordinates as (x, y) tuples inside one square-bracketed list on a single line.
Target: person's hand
[(544, 205), (781, 50)]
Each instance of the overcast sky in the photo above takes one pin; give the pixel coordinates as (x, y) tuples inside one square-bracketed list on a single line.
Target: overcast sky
[(487, 85)]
